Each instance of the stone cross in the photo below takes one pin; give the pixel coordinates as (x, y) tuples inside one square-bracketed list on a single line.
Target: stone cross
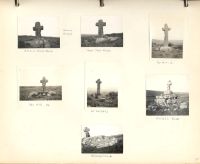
[(100, 25), (98, 87), (169, 85), (44, 81), (86, 130), (38, 28), (166, 29)]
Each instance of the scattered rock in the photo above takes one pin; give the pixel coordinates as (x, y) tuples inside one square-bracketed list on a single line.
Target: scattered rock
[(52, 93), (101, 40), (165, 49), (32, 94)]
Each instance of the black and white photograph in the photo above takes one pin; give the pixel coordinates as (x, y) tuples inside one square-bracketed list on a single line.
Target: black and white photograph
[(39, 85), (101, 31), (102, 84), (167, 95), (106, 139), (167, 36), (38, 32)]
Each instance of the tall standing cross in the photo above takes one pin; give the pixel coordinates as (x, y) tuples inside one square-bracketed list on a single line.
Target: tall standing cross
[(169, 85), (98, 87), (166, 30), (44, 81), (100, 25), (38, 28)]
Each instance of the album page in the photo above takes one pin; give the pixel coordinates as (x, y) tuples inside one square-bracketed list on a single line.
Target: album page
[(82, 83)]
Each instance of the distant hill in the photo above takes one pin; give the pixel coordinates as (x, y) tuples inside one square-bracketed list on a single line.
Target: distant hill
[(174, 42), (150, 93)]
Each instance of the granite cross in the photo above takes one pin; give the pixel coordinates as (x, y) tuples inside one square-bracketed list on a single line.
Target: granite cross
[(169, 85), (98, 87), (86, 130), (100, 25), (44, 81), (38, 28), (166, 29)]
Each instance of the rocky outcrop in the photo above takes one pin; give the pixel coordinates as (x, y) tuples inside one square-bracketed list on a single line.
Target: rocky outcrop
[(99, 141), (103, 144)]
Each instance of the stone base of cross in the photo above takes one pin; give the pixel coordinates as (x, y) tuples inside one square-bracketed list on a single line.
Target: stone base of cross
[(43, 93), (166, 49)]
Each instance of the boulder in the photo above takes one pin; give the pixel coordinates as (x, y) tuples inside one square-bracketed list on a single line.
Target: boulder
[(101, 40), (52, 93), (106, 38), (32, 94)]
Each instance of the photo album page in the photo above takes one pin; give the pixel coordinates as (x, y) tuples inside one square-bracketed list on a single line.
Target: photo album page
[(90, 82)]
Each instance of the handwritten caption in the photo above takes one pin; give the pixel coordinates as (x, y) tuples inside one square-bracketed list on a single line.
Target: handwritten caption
[(99, 111), (98, 50), (38, 51), (103, 155), (168, 118), (67, 32), (39, 105)]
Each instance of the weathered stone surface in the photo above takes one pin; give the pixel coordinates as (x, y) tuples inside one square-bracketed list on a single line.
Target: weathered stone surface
[(168, 97), (38, 28), (166, 30), (165, 47), (100, 25), (98, 87)]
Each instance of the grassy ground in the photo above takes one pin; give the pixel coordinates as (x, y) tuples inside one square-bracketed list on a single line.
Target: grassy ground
[(150, 97), (107, 99), (54, 41), (90, 41), (26, 90), (176, 52)]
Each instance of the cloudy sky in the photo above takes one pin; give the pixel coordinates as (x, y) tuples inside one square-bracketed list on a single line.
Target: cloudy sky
[(50, 24), (113, 24), (159, 83), (175, 22), (107, 72), (103, 129)]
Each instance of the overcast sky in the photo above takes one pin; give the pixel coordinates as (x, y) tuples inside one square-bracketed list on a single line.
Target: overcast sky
[(50, 24), (159, 83), (175, 22), (107, 72), (32, 77), (113, 24), (107, 130)]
